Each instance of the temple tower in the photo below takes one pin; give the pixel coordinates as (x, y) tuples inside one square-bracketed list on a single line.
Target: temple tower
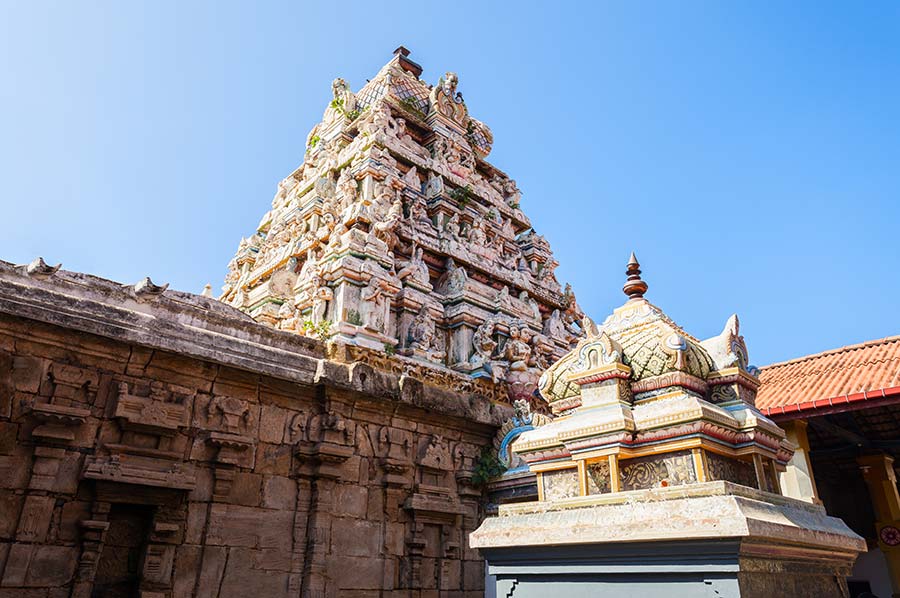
[(397, 235)]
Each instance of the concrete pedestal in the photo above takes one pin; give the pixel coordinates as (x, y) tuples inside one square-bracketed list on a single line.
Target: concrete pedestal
[(709, 539)]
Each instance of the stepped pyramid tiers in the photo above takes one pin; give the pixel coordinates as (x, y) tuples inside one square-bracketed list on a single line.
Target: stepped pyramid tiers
[(398, 232), (658, 463)]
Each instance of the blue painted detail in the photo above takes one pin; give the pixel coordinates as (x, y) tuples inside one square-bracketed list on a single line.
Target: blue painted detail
[(510, 436)]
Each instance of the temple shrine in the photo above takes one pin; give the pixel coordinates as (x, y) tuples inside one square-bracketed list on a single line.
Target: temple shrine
[(658, 476), (396, 234)]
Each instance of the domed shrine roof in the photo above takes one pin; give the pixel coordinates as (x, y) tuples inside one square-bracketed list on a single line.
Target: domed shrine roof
[(657, 352)]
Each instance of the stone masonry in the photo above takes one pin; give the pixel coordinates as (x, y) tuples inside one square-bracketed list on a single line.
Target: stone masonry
[(159, 444)]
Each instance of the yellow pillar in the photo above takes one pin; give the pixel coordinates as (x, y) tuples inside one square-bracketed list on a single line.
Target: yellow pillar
[(582, 478), (797, 479), (878, 471), (700, 464), (614, 479)]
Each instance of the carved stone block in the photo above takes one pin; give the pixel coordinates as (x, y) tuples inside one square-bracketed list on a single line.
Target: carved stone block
[(143, 471), (149, 414)]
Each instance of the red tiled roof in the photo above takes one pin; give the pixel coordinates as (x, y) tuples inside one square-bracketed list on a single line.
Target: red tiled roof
[(832, 380)]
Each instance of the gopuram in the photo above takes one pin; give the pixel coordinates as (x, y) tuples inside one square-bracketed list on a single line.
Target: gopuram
[(658, 477), (397, 235), (325, 429)]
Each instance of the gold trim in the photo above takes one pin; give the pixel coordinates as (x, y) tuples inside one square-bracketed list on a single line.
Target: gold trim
[(542, 467)]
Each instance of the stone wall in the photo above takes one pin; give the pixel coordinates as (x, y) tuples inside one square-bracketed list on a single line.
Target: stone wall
[(128, 467)]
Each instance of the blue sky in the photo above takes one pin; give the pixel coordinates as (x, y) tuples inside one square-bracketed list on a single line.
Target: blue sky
[(749, 152)]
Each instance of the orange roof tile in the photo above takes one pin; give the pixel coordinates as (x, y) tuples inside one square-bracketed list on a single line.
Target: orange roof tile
[(862, 372)]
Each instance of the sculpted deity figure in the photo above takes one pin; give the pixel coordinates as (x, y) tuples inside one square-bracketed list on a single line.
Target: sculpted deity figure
[(287, 315), (483, 345), (284, 188), (322, 297), (517, 350), (376, 303), (418, 213), (385, 195), (384, 229), (406, 139), (326, 227), (531, 303), (346, 190), (411, 178), (434, 186), (325, 159), (541, 354), (335, 238), (502, 298), (511, 192), (448, 86), (415, 269), (507, 259), (523, 266), (421, 332), (451, 155), (554, 327), (439, 151), (452, 226), (498, 245), (446, 100), (477, 236), (456, 278), (381, 123), (450, 234), (309, 267), (343, 102), (508, 231)]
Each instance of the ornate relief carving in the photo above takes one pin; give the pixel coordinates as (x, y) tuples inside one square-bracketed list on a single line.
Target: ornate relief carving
[(161, 412), (358, 221)]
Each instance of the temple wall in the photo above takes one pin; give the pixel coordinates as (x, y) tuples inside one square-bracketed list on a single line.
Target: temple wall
[(127, 468)]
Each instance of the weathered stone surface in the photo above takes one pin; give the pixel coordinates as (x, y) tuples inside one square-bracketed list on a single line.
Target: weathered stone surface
[(10, 504), (246, 489), (351, 500), (34, 522), (196, 522), (241, 459), (232, 525), (244, 578), (357, 573), (187, 568), (271, 425), (8, 432), (73, 513), (355, 537), (279, 493), (51, 566), (212, 566)]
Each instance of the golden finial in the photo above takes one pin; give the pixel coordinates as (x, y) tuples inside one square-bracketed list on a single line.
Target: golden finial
[(634, 286)]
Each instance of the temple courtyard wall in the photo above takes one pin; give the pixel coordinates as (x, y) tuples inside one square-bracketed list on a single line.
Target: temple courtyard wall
[(161, 444)]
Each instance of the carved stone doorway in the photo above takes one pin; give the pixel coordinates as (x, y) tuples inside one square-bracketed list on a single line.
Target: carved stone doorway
[(121, 561)]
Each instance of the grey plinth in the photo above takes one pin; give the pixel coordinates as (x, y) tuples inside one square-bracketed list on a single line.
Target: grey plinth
[(710, 539)]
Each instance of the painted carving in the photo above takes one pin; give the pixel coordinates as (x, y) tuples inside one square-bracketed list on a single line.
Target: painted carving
[(395, 193)]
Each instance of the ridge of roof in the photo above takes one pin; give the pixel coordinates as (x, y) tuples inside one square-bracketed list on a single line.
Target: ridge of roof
[(845, 348)]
